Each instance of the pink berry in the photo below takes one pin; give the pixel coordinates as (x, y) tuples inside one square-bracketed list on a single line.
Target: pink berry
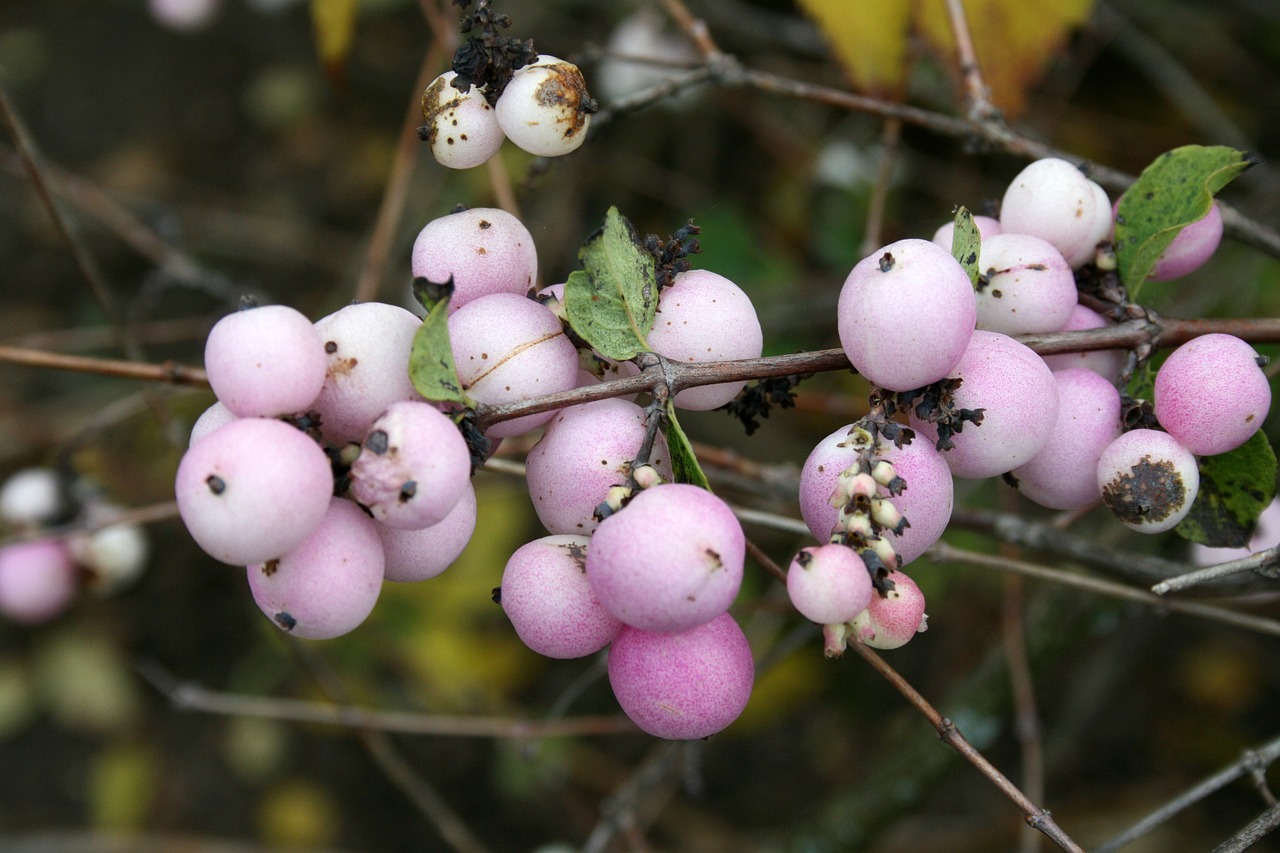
[(265, 361), (1053, 200), (926, 501), (669, 560), (368, 346), (37, 580), (507, 349), (893, 619), (417, 555), (828, 584), (1026, 286), (685, 685), (483, 250), (329, 583), (252, 490), (1064, 474), (585, 450), (413, 467), (1019, 398), (546, 596), (706, 317), (1211, 395), (906, 314)]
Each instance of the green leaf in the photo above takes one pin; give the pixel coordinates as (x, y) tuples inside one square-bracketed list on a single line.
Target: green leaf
[(1235, 488), (1171, 193), (431, 367), (966, 243), (684, 463), (611, 302)]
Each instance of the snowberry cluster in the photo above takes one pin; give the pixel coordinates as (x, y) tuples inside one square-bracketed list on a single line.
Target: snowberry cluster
[(325, 472), (320, 468), (544, 109), (981, 404), (41, 573)]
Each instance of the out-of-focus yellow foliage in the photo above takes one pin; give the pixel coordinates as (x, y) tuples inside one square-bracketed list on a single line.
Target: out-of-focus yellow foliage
[(1014, 40), (299, 813), (334, 22), (121, 786)]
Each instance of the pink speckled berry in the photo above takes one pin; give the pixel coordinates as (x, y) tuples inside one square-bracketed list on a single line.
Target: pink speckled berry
[(926, 501), (706, 317), (508, 348), (891, 620), (1193, 246), (252, 490), (546, 596), (1026, 285), (1064, 474), (484, 249), (670, 559), (1108, 363), (1053, 200), (265, 361), (328, 585), (413, 466), (987, 228), (37, 580), (585, 450), (1148, 480), (1019, 398), (828, 584), (417, 555), (1211, 395), (684, 685), (368, 346), (905, 314)]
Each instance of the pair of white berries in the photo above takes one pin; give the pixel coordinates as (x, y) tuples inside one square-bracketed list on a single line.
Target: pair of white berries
[(545, 110)]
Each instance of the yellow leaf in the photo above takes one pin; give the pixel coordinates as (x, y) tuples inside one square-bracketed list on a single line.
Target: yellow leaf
[(334, 23), (868, 38), (1015, 40)]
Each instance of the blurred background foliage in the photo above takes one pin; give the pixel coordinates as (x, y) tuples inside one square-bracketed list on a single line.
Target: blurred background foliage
[(265, 167)]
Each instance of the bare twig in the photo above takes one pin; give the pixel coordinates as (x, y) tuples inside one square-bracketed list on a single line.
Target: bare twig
[(1252, 761), (1026, 715), (408, 149), (169, 372), (193, 697), (944, 551), (620, 811), (140, 515), (977, 93), (1253, 833), (890, 138), (1035, 816), (1264, 563)]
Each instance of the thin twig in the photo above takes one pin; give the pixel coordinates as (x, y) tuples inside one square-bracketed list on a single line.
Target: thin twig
[(1253, 760), (1035, 816), (1253, 833), (618, 812), (140, 515), (977, 93), (890, 138), (169, 372), (408, 149), (944, 551), (1263, 562), (1026, 715), (194, 697)]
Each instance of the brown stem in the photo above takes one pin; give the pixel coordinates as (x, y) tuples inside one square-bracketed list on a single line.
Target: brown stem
[(977, 94), (951, 736), (169, 371)]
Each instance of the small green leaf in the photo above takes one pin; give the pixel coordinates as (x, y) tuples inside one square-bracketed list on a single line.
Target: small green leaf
[(1174, 191), (684, 463), (966, 243), (1235, 488), (611, 302), (431, 367)]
